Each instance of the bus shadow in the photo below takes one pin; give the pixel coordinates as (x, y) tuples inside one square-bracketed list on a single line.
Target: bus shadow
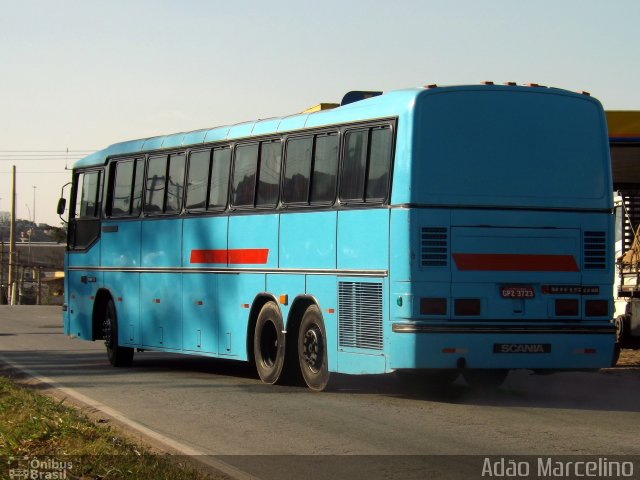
[(161, 362), (606, 390)]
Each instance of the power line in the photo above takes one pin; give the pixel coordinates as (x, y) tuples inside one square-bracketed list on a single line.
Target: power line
[(35, 155), (44, 159), (66, 172), (50, 155), (48, 151)]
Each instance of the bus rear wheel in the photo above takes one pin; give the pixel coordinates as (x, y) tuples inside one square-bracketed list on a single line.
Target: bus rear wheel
[(118, 356), (312, 350), (269, 343)]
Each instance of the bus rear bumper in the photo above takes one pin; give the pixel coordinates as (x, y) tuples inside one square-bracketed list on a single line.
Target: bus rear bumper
[(501, 346)]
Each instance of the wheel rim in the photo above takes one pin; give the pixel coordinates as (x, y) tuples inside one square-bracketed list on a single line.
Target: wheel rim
[(106, 330), (269, 344), (619, 327), (312, 351)]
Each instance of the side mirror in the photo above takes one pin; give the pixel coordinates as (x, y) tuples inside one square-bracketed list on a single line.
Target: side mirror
[(62, 205)]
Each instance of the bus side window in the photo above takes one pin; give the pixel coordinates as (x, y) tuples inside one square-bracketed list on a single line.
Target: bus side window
[(87, 203), (269, 177), (219, 183), (354, 165), (379, 164), (366, 164), (297, 170), (156, 179), (85, 224), (138, 184), (175, 185), (244, 175), (325, 169), (121, 196), (197, 180)]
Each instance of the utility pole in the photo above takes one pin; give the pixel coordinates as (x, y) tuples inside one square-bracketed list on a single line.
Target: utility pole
[(34, 205), (38, 295), (21, 287), (2, 271), (12, 240)]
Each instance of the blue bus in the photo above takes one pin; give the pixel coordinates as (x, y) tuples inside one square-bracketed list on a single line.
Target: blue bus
[(431, 232)]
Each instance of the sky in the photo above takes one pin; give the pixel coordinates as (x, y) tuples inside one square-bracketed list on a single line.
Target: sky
[(80, 75)]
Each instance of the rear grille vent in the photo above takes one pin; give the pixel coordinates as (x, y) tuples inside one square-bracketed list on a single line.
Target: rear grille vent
[(595, 251), (434, 247), (360, 315)]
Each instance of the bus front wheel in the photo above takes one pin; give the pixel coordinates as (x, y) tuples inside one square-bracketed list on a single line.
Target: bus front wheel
[(312, 350), (269, 343), (118, 356)]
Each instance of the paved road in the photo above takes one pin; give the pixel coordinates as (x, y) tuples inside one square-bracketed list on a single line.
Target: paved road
[(221, 408)]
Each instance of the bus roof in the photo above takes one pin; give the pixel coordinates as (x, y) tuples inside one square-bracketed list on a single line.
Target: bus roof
[(391, 104)]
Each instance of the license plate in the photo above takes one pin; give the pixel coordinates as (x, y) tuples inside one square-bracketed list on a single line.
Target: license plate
[(517, 291), (521, 348)]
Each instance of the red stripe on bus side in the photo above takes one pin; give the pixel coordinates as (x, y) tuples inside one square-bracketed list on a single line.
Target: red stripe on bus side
[(248, 255), (515, 262), (255, 256)]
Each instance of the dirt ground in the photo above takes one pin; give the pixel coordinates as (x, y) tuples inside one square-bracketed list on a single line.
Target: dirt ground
[(629, 358)]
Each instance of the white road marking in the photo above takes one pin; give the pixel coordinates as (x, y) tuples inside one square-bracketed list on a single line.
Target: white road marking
[(200, 456)]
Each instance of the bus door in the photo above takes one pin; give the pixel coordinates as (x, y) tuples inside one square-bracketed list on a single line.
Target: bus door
[(120, 245), (83, 254)]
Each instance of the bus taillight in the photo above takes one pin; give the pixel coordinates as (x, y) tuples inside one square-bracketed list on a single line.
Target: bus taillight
[(467, 306), (566, 307), (433, 306), (597, 308)]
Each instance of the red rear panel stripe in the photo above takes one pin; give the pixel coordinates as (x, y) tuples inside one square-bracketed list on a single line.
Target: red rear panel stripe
[(255, 256), (515, 262)]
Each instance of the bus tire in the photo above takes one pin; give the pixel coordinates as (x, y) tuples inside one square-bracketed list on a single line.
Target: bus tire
[(269, 343), (118, 356), (312, 350), (485, 378), (616, 354), (622, 328)]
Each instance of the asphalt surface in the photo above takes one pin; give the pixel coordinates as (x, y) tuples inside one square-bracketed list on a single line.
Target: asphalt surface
[(221, 408)]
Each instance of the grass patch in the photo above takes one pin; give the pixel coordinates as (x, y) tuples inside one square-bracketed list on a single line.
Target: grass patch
[(36, 426)]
